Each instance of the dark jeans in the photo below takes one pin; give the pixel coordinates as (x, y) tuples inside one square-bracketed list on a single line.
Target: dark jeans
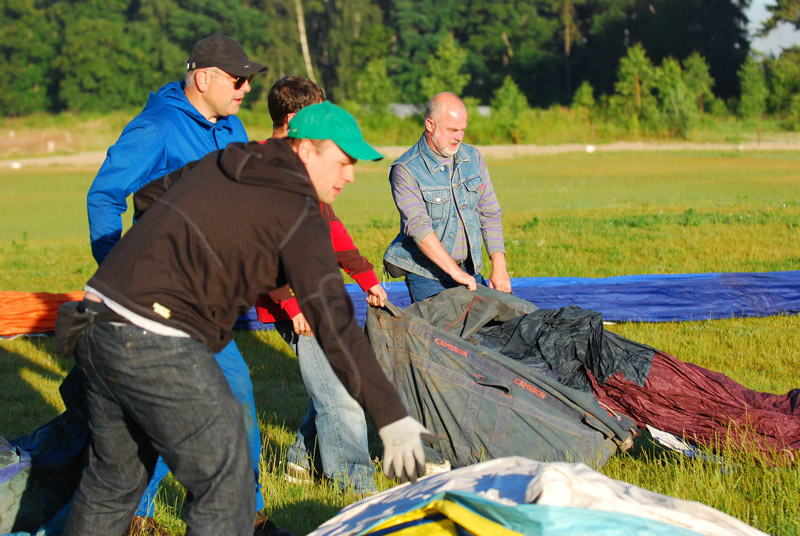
[(148, 395), (237, 373), (421, 288)]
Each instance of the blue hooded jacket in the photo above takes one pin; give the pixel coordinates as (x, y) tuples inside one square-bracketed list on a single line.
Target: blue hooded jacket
[(166, 135)]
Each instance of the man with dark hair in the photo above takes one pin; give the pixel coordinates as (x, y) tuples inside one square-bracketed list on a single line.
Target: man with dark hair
[(334, 422), (288, 95), (180, 123), (210, 238), (448, 209)]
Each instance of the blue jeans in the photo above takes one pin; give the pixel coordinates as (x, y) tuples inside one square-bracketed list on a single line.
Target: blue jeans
[(335, 421), (151, 395), (420, 287), (237, 373)]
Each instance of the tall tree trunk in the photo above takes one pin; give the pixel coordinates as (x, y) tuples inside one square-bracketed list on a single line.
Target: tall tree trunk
[(509, 50), (301, 28), (566, 16)]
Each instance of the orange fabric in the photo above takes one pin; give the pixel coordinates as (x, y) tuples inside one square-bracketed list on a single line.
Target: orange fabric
[(31, 312)]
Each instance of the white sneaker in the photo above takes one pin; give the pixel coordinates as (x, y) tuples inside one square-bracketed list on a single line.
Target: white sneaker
[(295, 474)]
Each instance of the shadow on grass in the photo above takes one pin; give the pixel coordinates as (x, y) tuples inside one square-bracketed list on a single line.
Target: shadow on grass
[(304, 516), (29, 384)]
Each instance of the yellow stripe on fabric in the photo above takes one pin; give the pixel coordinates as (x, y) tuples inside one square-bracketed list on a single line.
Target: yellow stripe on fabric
[(440, 527), (455, 513)]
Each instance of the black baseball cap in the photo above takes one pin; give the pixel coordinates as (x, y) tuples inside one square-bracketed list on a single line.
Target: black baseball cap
[(223, 52)]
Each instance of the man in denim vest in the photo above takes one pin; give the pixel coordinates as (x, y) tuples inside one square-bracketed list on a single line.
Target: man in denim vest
[(447, 207)]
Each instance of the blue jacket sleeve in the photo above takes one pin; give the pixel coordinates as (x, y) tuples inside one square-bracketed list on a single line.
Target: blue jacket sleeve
[(130, 163)]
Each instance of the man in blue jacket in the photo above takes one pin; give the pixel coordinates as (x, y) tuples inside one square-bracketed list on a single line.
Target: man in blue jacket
[(184, 121), (181, 123)]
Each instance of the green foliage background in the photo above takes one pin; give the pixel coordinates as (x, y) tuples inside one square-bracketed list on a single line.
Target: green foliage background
[(83, 55), (643, 67)]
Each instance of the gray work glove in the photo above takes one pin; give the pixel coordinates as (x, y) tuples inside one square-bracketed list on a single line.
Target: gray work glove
[(403, 457)]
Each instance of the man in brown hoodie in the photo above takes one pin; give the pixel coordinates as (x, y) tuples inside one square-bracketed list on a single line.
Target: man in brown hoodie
[(209, 239)]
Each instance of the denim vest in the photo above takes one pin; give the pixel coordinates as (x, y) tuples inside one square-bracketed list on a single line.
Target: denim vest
[(445, 201)]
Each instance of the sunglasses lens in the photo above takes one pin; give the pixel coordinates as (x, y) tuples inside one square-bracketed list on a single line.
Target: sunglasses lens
[(241, 80)]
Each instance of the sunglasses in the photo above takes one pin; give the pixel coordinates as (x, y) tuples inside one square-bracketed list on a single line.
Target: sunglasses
[(238, 81)]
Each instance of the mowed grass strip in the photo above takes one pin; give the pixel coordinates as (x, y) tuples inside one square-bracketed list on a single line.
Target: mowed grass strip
[(585, 215)]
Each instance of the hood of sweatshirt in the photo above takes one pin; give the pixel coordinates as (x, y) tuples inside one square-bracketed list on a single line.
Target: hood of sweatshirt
[(173, 95), (272, 164)]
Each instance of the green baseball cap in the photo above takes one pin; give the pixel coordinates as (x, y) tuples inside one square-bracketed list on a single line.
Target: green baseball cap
[(326, 121)]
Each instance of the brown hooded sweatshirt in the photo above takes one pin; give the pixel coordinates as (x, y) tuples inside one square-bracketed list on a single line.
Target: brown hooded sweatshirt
[(213, 236)]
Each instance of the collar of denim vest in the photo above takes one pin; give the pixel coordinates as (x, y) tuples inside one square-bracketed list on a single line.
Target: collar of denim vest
[(432, 159)]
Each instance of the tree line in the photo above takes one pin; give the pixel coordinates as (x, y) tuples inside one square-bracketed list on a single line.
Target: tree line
[(648, 61)]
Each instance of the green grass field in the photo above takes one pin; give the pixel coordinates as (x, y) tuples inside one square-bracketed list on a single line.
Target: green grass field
[(591, 215)]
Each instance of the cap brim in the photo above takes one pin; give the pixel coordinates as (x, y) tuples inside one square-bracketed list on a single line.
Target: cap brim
[(358, 149), (246, 69)]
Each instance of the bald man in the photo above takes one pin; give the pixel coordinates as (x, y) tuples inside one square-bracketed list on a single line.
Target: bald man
[(448, 209)]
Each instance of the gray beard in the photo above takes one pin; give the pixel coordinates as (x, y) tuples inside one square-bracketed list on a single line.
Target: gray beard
[(443, 150)]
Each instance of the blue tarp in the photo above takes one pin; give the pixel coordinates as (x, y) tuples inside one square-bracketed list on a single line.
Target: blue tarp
[(637, 298)]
